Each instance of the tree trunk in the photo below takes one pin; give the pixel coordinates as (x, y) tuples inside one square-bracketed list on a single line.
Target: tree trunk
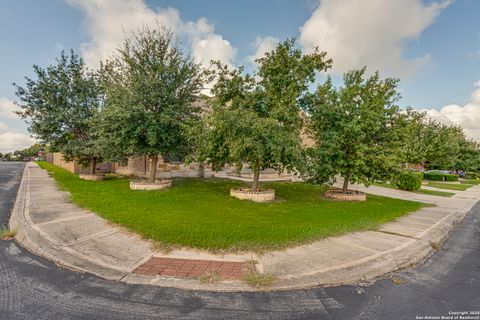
[(345, 183), (201, 168), (256, 178), (93, 164), (153, 168)]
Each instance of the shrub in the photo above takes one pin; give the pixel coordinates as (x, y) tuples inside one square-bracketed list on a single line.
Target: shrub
[(435, 176), (408, 180), (450, 177), (473, 175)]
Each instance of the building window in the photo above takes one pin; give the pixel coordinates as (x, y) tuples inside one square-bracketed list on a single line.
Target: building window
[(172, 159)]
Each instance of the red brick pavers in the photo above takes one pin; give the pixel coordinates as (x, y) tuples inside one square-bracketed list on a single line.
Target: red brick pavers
[(191, 268)]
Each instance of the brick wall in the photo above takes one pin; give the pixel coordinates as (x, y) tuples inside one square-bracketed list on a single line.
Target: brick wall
[(72, 166), (57, 159)]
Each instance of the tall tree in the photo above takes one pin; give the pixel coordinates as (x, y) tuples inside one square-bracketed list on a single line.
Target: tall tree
[(60, 105), (436, 145), (442, 144), (34, 149), (412, 129), (255, 118), (468, 158), (151, 86), (354, 128)]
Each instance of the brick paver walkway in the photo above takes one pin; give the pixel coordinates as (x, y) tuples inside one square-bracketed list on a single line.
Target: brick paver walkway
[(191, 268)]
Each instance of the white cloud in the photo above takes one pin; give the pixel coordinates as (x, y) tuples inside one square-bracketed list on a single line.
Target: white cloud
[(475, 54), (261, 46), (212, 47), (467, 116), (11, 141), (369, 32), (107, 22), (7, 108), (206, 45)]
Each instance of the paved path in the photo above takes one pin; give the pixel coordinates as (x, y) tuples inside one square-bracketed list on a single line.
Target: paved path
[(34, 288), (51, 226), (439, 189)]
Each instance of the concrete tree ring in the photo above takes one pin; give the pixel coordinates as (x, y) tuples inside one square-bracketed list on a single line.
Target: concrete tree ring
[(145, 185), (350, 195), (92, 177), (267, 195)]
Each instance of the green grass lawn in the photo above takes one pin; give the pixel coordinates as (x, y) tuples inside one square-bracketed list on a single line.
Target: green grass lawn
[(419, 191), (449, 186), (474, 182), (200, 213)]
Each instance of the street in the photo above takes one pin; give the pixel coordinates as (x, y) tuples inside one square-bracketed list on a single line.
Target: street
[(33, 288), (10, 177)]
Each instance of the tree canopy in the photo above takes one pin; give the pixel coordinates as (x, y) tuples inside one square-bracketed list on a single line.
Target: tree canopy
[(255, 117), (147, 100), (468, 159), (355, 130), (433, 144), (151, 86), (59, 107)]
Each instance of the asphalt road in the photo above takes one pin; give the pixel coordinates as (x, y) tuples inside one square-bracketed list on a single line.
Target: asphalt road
[(10, 177), (33, 288)]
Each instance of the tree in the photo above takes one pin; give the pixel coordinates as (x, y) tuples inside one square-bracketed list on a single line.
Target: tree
[(60, 105), (255, 118), (440, 144), (34, 149), (429, 142), (443, 145), (355, 130), (468, 159), (412, 128), (151, 86), (19, 154)]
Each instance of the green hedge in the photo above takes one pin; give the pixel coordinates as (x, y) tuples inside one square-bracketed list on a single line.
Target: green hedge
[(451, 177), (408, 180), (440, 176)]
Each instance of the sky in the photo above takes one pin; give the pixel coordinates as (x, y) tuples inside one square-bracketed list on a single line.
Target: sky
[(432, 46)]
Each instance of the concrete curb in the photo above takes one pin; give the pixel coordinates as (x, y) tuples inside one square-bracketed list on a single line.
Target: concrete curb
[(410, 251), (363, 270), (37, 243)]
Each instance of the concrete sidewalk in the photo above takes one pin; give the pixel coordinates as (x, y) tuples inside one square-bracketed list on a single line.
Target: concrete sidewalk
[(48, 224)]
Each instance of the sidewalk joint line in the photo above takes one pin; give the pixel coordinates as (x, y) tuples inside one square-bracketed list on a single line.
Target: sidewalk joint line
[(62, 220), (398, 234), (99, 234)]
